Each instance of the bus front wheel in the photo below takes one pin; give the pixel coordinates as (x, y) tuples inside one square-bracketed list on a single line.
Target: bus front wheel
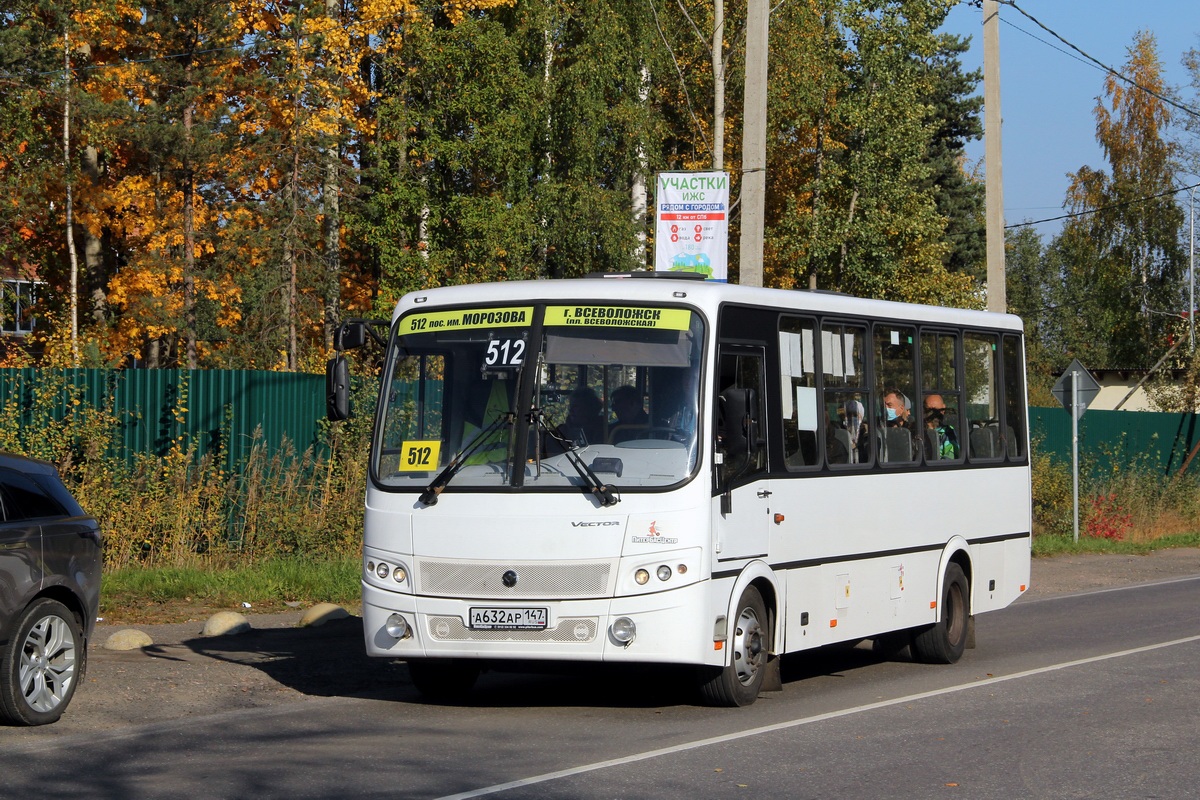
[(944, 641), (739, 683), (443, 680)]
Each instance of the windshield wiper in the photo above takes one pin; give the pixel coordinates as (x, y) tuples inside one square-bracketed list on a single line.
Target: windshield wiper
[(430, 496), (603, 492)]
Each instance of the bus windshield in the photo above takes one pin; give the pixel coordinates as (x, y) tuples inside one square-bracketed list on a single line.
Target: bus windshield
[(511, 396)]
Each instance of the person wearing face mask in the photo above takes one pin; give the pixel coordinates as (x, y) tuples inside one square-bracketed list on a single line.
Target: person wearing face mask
[(899, 428), (941, 440)]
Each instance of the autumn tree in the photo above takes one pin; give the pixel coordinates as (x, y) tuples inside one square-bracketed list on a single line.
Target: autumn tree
[(1121, 257), (596, 120), (860, 216), (1033, 283), (507, 145), (1190, 123), (247, 172), (30, 149), (172, 299), (56, 176)]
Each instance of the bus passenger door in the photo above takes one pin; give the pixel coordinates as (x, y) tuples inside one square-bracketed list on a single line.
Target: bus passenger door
[(741, 521)]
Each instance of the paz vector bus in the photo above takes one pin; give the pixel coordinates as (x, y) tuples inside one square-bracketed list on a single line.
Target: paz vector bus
[(652, 468)]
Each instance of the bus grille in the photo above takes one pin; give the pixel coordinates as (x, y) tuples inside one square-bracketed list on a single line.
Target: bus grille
[(570, 629), (542, 580)]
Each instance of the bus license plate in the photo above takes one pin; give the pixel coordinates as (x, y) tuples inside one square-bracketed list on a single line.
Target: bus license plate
[(508, 619)]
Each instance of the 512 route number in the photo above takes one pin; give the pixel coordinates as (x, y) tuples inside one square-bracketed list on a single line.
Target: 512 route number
[(505, 353), (419, 456)]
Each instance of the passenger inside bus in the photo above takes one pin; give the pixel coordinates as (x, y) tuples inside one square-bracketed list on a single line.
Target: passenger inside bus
[(675, 401), (629, 417), (900, 437), (941, 440), (585, 420), (837, 442), (855, 424), (487, 407)]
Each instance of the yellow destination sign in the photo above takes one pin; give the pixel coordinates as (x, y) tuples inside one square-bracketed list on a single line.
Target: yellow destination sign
[(465, 319), (671, 319)]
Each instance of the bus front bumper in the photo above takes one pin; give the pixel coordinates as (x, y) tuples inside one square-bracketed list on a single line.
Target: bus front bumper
[(669, 628)]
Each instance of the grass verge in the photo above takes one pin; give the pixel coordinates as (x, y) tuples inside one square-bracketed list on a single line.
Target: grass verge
[(176, 594), (1059, 544)]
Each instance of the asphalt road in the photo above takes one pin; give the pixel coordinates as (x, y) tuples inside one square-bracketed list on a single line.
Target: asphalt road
[(1087, 694)]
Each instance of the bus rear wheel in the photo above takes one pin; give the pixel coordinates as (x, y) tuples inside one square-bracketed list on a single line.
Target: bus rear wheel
[(944, 641), (739, 683), (443, 680)]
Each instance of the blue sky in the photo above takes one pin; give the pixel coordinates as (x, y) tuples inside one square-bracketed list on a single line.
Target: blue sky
[(1048, 93)]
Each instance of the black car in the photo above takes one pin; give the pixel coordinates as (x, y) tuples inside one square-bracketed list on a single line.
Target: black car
[(50, 559)]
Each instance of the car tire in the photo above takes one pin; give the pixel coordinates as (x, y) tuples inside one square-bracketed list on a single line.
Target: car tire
[(41, 664)]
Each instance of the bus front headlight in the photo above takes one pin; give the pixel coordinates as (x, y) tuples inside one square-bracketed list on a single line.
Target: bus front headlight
[(382, 571)]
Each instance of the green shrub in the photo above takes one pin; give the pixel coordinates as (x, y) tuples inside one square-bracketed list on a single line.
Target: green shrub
[(186, 510), (1130, 501), (1052, 514)]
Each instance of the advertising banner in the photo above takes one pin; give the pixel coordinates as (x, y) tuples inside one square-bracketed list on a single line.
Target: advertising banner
[(692, 223)]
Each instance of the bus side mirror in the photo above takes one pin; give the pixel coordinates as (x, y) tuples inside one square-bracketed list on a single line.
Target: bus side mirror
[(337, 389), (350, 335)]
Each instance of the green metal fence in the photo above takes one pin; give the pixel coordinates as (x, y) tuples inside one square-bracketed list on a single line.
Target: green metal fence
[(217, 410), (1158, 441), (220, 410)]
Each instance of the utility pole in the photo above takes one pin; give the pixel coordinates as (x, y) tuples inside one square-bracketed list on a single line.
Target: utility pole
[(754, 145), (66, 143), (994, 187), (1192, 269), (718, 68)]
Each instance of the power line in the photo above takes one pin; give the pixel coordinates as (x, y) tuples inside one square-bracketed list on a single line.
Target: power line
[(1077, 214), (1185, 109), (1049, 44)]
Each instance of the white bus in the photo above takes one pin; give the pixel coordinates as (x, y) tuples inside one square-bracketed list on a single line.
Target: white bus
[(654, 469)]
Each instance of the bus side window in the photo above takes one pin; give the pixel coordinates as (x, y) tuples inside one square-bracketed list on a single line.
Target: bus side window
[(982, 411), (801, 417), (1014, 399), (899, 415), (848, 433), (941, 395)]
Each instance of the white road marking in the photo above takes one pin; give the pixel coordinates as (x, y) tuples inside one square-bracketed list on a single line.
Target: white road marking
[(1027, 600), (781, 726)]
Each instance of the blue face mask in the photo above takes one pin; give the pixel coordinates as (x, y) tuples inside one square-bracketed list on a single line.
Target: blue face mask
[(891, 414)]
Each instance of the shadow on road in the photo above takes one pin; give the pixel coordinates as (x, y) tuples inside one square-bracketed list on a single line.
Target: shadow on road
[(324, 661), (331, 661)]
